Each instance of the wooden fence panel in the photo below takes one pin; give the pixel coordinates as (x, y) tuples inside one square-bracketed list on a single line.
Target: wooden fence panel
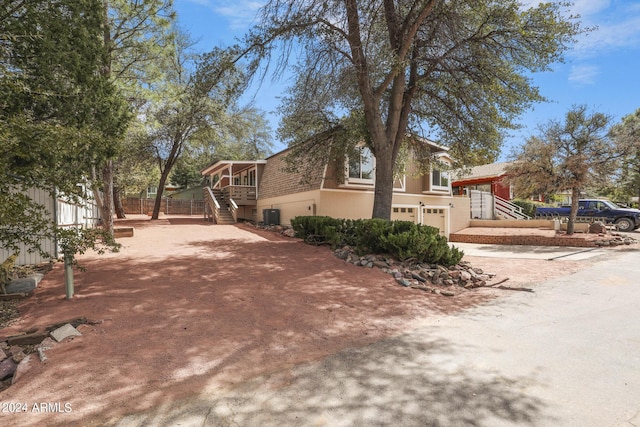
[(134, 205)]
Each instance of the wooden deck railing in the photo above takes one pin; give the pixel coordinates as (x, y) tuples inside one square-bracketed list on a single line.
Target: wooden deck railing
[(241, 194)]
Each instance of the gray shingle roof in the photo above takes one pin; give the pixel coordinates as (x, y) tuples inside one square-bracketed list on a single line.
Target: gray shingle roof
[(483, 171)]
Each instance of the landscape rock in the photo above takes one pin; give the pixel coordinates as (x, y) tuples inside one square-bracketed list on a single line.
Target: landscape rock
[(24, 284), (403, 282), (18, 356), (28, 339), (2, 355), (23, 367), (7, 368), (64, 332), (597, 228)]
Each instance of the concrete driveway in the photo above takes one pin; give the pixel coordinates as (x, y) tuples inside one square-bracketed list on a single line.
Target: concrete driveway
[(566, 355)]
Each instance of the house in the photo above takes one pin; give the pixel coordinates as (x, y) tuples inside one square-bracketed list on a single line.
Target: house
[(485, 178), (191, 193), (264, 190)]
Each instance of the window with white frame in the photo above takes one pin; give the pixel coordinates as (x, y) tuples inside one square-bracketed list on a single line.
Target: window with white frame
[(361, 167), (439, 178)]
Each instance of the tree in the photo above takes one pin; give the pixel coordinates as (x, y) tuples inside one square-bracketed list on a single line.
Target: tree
[(138, 38), (627, 135), (453, 68), (193, 99), (185, 173), (566, 156), (58, 112)]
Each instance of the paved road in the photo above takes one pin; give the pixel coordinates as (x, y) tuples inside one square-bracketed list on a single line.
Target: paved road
[(566, 355)]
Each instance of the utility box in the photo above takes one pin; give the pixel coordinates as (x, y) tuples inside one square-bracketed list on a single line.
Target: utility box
[(271, 216)]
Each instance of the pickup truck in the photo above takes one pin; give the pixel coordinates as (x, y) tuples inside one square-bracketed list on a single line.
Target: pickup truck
[(625, 219)]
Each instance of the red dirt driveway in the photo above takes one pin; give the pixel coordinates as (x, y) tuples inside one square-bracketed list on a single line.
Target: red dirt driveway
[(187, 307)]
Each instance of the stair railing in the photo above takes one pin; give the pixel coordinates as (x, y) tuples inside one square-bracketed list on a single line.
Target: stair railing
[(233, 207), (507, 209), (212, 204)]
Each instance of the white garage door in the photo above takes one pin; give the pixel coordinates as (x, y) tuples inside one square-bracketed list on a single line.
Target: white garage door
[(435, 217), (399, 213)]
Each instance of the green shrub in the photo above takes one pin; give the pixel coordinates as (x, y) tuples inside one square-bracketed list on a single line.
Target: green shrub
[(400, 239), (528, 206)]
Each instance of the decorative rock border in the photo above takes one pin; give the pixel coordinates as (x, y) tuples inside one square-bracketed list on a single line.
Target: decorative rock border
[(15, 350)]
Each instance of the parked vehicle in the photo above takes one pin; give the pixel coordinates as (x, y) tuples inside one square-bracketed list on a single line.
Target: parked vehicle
[(624, 218)]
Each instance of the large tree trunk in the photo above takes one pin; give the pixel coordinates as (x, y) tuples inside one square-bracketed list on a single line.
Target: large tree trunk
[(117, 203), (107, 197), (158, 202), (575, 196), (383, 192)]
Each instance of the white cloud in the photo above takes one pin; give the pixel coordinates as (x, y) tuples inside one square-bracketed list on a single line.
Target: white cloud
[(587, 8), (240, 13), (583, 74)]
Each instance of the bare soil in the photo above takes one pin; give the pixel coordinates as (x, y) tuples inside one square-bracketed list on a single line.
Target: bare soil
[(187, 306)]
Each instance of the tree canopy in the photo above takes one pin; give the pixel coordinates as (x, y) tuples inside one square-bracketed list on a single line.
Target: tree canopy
[(566, 156), (455, 71), (59, 113), (626, 134)]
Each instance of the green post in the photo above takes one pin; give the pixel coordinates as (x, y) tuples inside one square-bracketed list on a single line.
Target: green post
[(68, 274)]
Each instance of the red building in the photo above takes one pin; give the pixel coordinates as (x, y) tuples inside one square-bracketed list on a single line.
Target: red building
[(487, 178)]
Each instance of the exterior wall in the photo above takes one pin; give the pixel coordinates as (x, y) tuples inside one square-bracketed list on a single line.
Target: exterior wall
[(249, 213), (460, 214), (359, 204), (494, 185), (549, 224), (291, 205), (276, 182)]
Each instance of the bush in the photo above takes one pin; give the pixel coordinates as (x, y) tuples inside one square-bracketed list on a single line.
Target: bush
[(400, 239), (528, 206)]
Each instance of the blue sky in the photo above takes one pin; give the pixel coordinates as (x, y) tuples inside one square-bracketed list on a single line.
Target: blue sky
[(602, 71)]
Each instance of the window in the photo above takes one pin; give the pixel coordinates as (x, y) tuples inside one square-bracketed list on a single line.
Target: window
[(439, 179), (361, 167)]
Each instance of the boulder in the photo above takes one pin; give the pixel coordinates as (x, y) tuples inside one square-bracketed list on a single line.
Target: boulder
[(24, 284), (7, 368), (597, 228)]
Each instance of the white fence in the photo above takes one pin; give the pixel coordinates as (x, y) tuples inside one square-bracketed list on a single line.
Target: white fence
[(63, 213), (482, 204)]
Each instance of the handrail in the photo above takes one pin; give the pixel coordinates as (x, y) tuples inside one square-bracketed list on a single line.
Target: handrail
[(213, 197), (213, 204), (234, 209), (509, 209)]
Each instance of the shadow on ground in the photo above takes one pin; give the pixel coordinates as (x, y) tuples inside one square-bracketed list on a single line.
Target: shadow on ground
[(400, 381), (189, 308)]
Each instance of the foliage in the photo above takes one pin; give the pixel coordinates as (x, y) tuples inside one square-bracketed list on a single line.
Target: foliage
[(627, 136), (185, 174), (566, 156), (401, 239), (58, 113), (528, 206), (74, 241), (456, 70), (196, 94)]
